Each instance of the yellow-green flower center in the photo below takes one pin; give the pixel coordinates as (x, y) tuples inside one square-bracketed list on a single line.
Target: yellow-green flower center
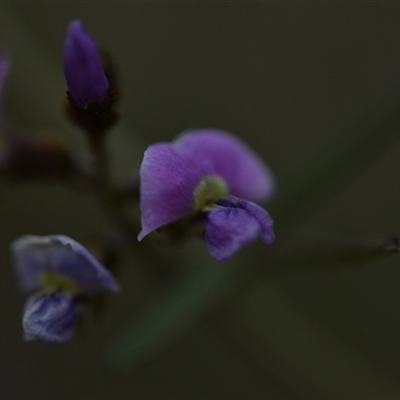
[(208, 191), (59, 282)]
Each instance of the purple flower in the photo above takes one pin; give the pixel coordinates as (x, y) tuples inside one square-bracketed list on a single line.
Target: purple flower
[(207, 173), (4, 68), (84, 73), (60, 271)]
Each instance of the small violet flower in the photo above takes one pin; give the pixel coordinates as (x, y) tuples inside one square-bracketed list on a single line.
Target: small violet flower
[(207, 174), (4, 69), (84, 72), (4, 66), (59, 271)]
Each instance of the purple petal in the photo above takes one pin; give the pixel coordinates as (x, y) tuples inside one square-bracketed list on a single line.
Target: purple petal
[(84, 73), (167, 183), (50, 316), (223, 154), (58, 254), (4, 68), (228, 230), (262, 217)]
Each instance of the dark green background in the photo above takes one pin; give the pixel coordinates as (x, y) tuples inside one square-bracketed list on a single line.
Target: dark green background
[(301, 82)]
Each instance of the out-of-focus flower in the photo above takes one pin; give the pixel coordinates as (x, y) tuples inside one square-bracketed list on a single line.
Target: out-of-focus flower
[(4, 69), (59, 271), (26, 155), (212, 175)]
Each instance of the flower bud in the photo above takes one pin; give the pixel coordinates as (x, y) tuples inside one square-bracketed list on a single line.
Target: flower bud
[(84, 73), (90, 93)]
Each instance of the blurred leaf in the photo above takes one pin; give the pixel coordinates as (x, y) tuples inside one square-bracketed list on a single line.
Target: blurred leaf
[(174, 311), (179, 307), (374, 130)]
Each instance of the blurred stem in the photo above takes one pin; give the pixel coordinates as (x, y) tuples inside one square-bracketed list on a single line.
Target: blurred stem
[(380, 135), (321, 252), (98, 148), (108, 196)]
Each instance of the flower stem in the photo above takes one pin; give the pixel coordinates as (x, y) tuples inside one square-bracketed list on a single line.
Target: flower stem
[(108, 196)]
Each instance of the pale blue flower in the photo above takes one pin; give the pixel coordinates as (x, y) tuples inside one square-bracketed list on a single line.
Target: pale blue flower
[(59, 271)]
